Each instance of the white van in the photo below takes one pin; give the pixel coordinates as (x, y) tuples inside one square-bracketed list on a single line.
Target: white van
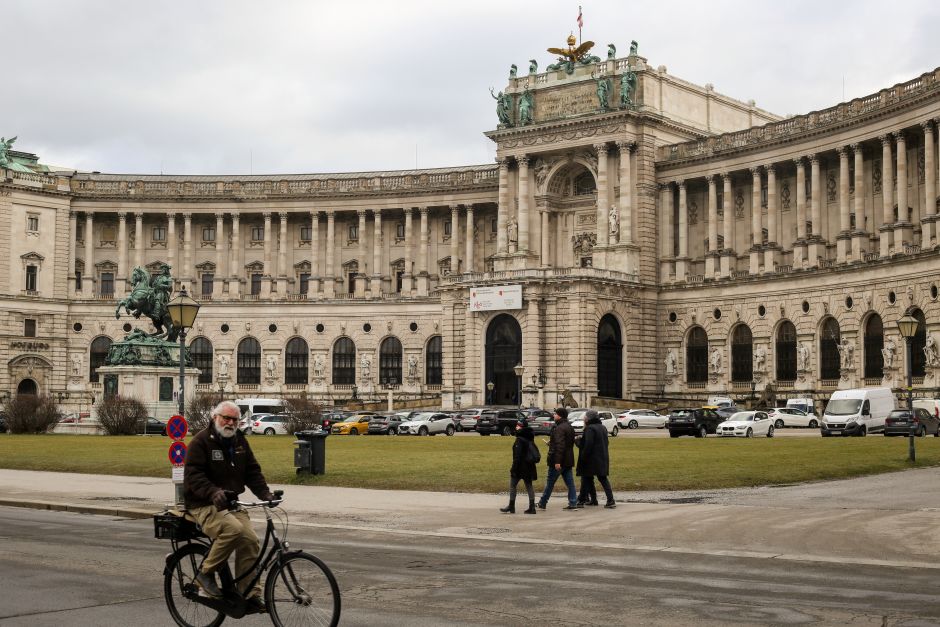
[(719, 401), (932, 405), (251, 406), (857, 412), (805, 405)]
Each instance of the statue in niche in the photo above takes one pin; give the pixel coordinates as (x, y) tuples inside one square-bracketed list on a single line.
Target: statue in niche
[(613, 228), (603, 92), (525, 108), (714, 360), (846, 353), (533, 66), (633, 48), (271, 366), (887, 353), (802, 357), (930, 352), (671, 362), (77, 363), (503, 107), (627, 89), (318, 365), (365, 366), (760, 359), (222, 370), (541, 173), (412, 367), (512, 230), (512, 70), (611, 51)]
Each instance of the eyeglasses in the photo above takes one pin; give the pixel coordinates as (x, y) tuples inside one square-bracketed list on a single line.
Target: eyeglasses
[(224, 417)]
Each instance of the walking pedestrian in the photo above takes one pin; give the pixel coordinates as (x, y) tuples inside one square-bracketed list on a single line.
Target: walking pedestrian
[(523, 467), (594, 461), (560, 460)]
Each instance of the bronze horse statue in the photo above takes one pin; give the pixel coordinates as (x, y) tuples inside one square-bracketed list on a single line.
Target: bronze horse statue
[(148, 298)]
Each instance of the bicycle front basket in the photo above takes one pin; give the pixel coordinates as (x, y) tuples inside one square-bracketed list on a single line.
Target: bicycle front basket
[(168, 526)]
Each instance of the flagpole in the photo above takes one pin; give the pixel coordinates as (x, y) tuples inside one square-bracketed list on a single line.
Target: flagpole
[(579, 24)]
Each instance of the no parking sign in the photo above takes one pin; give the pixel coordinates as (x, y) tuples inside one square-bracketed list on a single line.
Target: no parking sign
[(177, 453), (177, 427)]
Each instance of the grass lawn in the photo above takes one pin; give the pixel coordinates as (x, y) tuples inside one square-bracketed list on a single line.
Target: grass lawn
[(474, 464)]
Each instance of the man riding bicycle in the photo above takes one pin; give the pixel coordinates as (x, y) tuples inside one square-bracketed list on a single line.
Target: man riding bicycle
[(219, 460)]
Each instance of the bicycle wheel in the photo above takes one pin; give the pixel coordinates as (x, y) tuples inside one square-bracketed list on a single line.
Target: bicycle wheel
[(178, 582), (301, 590)]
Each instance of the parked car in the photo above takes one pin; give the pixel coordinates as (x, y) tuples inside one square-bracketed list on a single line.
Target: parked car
[(900, 422), (270, 424), (331, 417), (388, 425), (540, 420), (576, 418), (932, 405), (746, 424), (151, 426), (636, 418), (428, 423), (356, 424), (502, 421), (792, 417), (727, 411), (244, 424), (468, 418), (697, 421)]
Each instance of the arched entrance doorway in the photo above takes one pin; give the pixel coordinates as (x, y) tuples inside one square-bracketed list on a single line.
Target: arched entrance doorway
[(609, 358), (27, 386), (503, 353)]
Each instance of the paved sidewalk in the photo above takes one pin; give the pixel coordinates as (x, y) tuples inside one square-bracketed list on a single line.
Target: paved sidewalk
[(886, 519)]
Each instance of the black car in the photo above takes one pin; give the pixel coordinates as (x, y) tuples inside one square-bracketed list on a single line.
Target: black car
[(152, 426), (502, 421), (697, 421), (727, 412), (899, 422), (540, 420), (388, 425)]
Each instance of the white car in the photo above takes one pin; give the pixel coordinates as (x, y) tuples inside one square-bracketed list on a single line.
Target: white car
[(636, 418), (269, 424), (792, 417), (746, 424), (428, 423), (576, 418)]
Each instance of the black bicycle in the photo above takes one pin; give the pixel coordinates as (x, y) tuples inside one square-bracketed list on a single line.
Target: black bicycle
[(299, 589)]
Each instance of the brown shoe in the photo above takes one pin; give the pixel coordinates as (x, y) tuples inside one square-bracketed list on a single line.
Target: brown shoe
[(206, 583), (255, 605)]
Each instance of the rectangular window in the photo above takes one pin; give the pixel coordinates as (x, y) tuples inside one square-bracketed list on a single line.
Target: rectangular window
[(305, 233), (208, 233), (255, 284), (159, 233), (304, 282), (351, 282), (29, 327), (398, 276), (107, 283), (32, 223), (400, 231), (78, 280), (208, 279), (257, 233), (353, 232), (447, 227), (32, 275)]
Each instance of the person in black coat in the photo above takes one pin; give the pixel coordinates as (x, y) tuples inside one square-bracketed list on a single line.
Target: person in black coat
[(522, 468), (594, 461)]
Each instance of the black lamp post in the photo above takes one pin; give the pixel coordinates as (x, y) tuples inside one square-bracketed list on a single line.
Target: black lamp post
[(907, 325), (519, 369), (183, 310), (489, 392)]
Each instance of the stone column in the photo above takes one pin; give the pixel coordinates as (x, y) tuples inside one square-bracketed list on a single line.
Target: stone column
[(378, 268), (712, 253), (728, 256), (603, 228), (73, 234), (545, 259), (423, 278), (120, 281), (407, 282), (329, 281), (468, 261), (454, 248), (523, 162), (682, 261), (361, 275), (903, 229), (187, 270), (843, 239), (757, 235), (269, 272), (626, 193), (502, 215), (313, 284), (219, 279), (817, 247), (235, 260), (887, 195), (138, 239), (89, 277), (282, 256), (860, 232), (799, 246), (773, 245), (667, 259), (928, 221)]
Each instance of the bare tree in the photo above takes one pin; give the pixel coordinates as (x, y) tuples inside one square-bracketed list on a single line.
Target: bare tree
[(121, 415), (199, 411), (302, 414), (27, 413)]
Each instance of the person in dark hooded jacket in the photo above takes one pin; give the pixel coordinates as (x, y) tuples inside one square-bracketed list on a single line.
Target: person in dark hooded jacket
[(594, 461), (522, 469)]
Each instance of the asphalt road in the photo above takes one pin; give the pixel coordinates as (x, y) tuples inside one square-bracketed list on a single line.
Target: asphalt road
[(72, 569)]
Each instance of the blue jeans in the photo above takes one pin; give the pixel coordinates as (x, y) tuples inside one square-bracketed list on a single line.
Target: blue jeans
[(568, 478)]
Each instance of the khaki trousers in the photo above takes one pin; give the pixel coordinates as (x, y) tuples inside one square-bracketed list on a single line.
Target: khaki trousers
[(230, 531)]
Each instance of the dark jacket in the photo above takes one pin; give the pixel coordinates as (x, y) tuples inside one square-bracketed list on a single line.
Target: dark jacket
[(211, 465), (561, 445), (520, 467), (593, 459)]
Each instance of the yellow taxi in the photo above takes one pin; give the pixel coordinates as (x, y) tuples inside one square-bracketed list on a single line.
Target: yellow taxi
[(354, 425)]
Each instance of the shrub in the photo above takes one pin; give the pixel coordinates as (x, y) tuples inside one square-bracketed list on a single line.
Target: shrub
[(121, 415), (199, 411), (27, 413), (302, 414)]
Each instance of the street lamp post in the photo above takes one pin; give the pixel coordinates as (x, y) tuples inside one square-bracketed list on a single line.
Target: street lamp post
[(489, 393), (519, 369), (183, 310), (907, 325)]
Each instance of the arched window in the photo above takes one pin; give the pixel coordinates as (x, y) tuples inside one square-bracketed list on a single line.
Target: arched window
[(786, 351), (344, 362), (434, 361), (295, 361), (609, 357), (249, 362), (874, 343), (99, 352), (918, 358), (200, 351), (829, 367), (696, 356), (742, 354), (390, 361)]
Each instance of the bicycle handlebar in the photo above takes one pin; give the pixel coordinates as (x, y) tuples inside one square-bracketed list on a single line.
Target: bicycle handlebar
[(233, 501)]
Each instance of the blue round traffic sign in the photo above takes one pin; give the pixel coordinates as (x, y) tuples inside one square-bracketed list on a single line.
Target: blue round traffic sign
[(177, 427), (177, 453)]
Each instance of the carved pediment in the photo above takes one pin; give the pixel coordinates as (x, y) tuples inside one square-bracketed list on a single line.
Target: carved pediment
[(106, 265), (254, 266), (584, 242), (33, 256), (398, 264), (303, 266), (351, 266), (205, 266)]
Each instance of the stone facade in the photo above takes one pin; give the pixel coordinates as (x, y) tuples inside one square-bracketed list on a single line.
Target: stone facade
[(635, 231)]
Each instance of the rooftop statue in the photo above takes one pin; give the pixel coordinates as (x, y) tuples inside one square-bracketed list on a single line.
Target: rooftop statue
[(633, 47), (503, 108), (627, 89), (611, 51), (533, 66), (525, 108), (512, 70), (568, 58), (603, 92), (6, 160)]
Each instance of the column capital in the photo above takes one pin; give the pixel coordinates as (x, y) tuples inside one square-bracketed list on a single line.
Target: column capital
[(843, 152), (282, 215), (600, 148), (856, 147), (813, 158), (522, 160), (711, 179), (664, 186), (503, 163), (468, 208), (266, 215), (626, 146), (315, 214), (680, 183), (755, 171), (330, 215), (899, 136), (927, 125), (361, 213), (885, 139), (423, 211), (89, 214), (219, 215), (771, 169), (377, 214), (798, 162), (235, 218), (122, 215), (139, 215)]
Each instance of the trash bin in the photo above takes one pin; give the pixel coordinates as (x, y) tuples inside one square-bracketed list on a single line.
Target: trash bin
[(310, 452)]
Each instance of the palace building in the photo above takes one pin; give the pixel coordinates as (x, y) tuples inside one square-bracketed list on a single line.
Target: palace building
[(666, 240)]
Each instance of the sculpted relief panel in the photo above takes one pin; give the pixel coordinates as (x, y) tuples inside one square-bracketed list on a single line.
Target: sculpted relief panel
[(574, 100)]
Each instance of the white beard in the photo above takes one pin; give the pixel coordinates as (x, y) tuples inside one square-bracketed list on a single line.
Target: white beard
[(225, 432)]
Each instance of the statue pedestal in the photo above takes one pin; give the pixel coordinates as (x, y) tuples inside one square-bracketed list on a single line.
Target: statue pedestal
[(154, 386)]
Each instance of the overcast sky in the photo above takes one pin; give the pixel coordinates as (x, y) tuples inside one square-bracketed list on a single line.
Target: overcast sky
[(232, 87)]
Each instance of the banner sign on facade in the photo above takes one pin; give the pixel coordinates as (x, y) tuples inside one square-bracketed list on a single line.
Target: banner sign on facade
[(496, 298)]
